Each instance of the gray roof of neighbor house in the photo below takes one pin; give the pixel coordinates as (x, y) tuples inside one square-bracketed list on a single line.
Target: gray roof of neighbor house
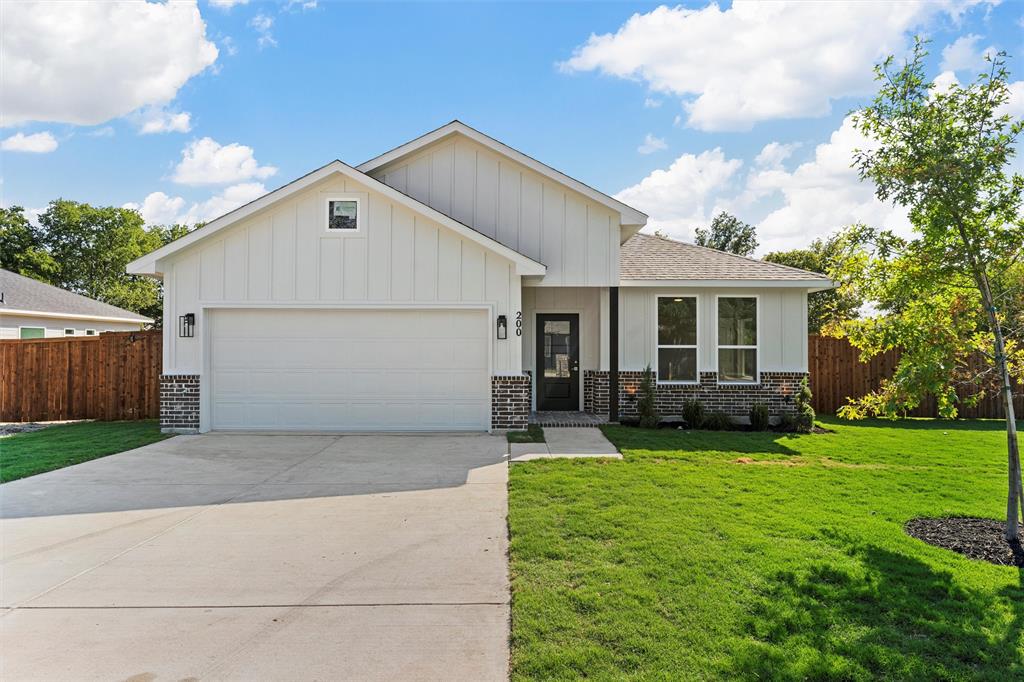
[(29, 295), (649, 257)]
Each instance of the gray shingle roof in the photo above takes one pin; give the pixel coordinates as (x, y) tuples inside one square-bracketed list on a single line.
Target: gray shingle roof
[(25, 293), (646, 256)]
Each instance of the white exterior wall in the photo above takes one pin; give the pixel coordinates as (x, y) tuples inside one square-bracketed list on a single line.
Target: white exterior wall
[(575, 237), (284, 256), (55, 326), (782, 327)]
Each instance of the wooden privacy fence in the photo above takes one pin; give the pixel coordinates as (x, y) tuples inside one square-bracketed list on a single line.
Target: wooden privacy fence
[(115, 375), (837, 373)]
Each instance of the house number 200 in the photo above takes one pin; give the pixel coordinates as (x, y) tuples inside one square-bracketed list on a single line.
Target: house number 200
[(519, 323)]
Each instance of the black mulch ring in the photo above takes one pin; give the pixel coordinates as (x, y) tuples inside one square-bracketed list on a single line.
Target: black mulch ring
[(974, 538)]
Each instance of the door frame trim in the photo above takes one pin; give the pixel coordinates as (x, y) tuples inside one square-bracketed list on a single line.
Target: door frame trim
[(582, 344), (205, 354)]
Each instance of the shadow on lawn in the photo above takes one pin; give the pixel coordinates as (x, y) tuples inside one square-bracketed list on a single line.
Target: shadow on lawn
[(891, 616), (665, 441)]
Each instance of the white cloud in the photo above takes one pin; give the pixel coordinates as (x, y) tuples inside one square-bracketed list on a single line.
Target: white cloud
[(300, 4), (678, 198), (159, 120), (160, 209), (943, 82), (757, 61), (651, 144), (1015, 106), (963, 54), (652, 103), (206, 162), (88, 62), (262, 24), (229, 46), (774, 153), (105, 131), (38, 143), (227, 4)]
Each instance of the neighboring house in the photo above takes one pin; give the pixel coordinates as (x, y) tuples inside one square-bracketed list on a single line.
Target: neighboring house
[(456, 283), (30, 309)]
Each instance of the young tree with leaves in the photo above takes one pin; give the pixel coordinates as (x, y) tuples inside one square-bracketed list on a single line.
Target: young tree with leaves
[(728, 233), (944, 155)]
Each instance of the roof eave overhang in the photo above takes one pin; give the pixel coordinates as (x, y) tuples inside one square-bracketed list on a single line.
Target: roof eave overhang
[(75, 316), (809, 284), (151, 264)]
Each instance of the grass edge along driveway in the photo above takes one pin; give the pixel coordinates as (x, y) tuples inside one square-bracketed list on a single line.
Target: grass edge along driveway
[(59, 446), (762, 555)]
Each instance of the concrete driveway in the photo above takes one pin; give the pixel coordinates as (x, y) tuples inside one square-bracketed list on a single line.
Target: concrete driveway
[(261, 557)]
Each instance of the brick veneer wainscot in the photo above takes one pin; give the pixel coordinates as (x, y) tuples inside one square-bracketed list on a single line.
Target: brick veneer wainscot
[(179, 403), (774, 390), (510, 401)]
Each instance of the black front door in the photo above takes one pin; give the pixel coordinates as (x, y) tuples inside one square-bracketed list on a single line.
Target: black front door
[(558, 362)]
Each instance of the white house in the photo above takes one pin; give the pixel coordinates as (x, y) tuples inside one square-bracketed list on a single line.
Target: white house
[(454, 283), (30, 309)]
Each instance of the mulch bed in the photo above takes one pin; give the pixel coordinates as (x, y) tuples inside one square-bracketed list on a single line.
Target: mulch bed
[(973, 537)]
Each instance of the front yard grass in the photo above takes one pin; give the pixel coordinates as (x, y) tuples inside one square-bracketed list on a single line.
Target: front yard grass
[(744, 555), (532, 434), (55, 447)]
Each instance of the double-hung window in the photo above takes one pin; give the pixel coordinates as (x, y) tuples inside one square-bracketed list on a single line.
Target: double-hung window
[(677, 339), (737, 339)]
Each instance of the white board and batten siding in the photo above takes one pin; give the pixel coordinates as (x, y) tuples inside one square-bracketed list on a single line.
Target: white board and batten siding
[(574, 236), (782, 326), (283, 257)]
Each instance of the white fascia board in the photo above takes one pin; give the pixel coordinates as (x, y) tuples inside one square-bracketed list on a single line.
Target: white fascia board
[(149, 264), (627, 214), (74, 316), (809, 284)]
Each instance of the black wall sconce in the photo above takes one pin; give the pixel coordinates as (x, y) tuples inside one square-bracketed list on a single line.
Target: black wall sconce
[(502, 327), (187, 325)]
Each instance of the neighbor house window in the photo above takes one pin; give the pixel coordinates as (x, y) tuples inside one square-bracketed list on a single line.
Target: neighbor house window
[(343, 214), (90, 332), (737, 339), (32, 332), (677, 338), (69, 332)]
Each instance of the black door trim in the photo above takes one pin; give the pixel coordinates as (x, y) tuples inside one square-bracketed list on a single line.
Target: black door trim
[(558, 394)]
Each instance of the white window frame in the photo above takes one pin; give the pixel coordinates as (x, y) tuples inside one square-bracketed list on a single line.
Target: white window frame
[(756, 347), (90, 332), (695, 346), (30, 326), (69, 329), (327, 213)]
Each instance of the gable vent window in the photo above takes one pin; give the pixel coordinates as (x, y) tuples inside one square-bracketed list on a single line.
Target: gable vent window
[(342, 214), (677, 339)]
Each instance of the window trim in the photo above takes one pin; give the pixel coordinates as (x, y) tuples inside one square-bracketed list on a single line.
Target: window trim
[(327, 213), (69, 329), (696, 346), (756, 347), (90, 332), (30, 326)]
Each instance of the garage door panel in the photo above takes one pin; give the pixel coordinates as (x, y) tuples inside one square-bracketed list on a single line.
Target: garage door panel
[(349, 369)]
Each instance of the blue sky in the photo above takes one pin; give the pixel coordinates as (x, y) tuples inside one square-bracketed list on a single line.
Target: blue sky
[(683, 111)]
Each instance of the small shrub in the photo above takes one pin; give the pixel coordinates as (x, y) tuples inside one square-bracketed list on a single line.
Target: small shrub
[(804, 420), (787, 422), (759, 417), (649, 417), (693, 413), (718, 421)]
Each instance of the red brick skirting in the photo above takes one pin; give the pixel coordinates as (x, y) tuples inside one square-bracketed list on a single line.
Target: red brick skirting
[(179, 403), (510, 401), (775, 390)]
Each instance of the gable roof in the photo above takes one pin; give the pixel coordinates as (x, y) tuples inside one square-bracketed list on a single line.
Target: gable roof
[(27, 296), (629, 216), (648, 260), (147, 265)]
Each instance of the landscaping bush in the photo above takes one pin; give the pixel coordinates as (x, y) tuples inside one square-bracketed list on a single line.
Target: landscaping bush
[(759, 417), (804, 421), (649, 417), (718, 421), (693, 413)]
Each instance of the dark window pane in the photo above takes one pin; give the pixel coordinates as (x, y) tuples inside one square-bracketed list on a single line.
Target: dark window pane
[(737, 321), (341, 215), (737, 364), (677, 364), (677, 321), (556, 348)]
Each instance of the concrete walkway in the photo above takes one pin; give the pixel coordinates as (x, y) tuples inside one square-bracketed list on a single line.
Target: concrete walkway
[(565, 442), (237, 557)]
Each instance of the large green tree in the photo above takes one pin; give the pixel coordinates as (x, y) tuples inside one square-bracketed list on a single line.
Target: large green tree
[(832, 306), (21, 248), (944, 155), (728, 233)]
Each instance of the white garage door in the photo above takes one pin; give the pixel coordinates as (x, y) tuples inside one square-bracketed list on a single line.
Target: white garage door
[(349, 370)]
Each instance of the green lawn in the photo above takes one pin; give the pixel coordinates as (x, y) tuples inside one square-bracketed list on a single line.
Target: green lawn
[(55, 447), (532, 434), (680, 562)]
